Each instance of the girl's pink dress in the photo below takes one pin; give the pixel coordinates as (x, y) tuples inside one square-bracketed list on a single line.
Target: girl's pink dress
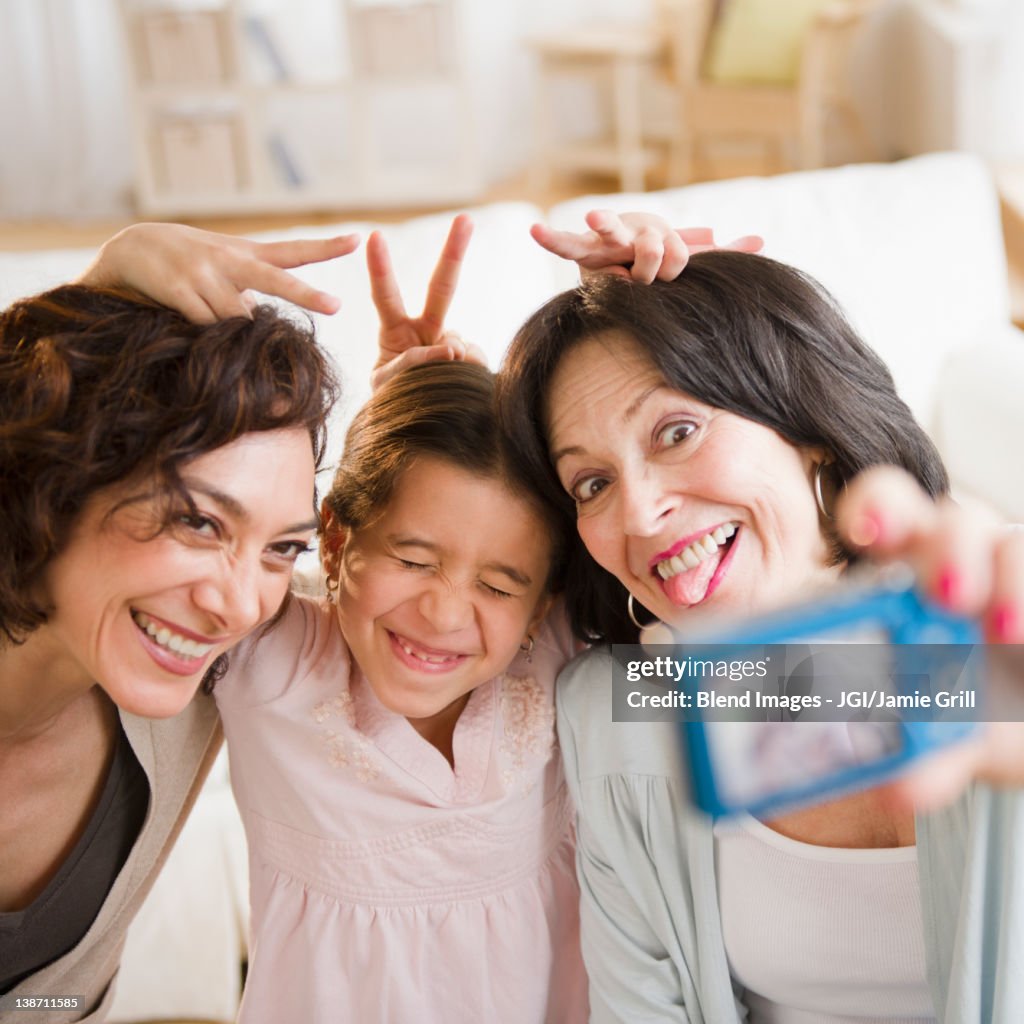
[(385, 886)]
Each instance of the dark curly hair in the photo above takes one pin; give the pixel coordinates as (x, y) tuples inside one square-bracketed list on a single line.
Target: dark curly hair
[(739, 332), (98, 387)]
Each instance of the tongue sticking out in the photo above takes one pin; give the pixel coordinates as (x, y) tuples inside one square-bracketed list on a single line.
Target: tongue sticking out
[(691, 587)]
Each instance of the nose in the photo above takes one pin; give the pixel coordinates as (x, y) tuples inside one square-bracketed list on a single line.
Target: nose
[(646, 497), (445, 607), (231, 595)]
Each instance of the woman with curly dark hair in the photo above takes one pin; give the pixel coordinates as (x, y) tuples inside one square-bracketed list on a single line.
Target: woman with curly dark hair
[(157, 488)]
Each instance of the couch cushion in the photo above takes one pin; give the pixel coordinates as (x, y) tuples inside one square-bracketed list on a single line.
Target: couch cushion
[(759, 41)]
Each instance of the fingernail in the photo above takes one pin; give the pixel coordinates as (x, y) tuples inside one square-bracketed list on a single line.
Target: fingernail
[(1004, 621), (865, 530), (948, 585)]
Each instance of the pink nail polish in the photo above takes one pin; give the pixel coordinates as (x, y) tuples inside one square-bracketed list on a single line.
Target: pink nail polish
[(948, 586), (1004, 622)]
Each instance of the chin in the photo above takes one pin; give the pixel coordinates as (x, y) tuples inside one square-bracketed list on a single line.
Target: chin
[(155, 700)]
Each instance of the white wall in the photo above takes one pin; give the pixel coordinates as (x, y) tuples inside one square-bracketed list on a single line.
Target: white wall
[(935, 74), (64, 115), (946, 74)]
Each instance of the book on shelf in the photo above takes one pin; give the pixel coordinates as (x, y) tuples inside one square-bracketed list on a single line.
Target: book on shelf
[(266, 47)]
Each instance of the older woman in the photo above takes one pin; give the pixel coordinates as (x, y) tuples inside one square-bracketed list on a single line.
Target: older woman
[(157, 489), (717, 406)]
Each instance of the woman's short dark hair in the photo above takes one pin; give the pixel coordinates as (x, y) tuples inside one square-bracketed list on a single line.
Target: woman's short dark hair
[(739, 332), (442, 410), (98, 387)]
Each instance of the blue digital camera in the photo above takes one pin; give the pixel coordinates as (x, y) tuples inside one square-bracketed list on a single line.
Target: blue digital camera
[(846, 690)]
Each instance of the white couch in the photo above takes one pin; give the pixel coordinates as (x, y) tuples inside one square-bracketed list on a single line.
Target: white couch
[(914, 253)]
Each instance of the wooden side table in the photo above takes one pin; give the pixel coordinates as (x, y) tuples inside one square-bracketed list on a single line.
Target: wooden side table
[(624, 51)]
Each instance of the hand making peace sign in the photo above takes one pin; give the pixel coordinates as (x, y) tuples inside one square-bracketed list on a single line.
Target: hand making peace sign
[(407, 341)]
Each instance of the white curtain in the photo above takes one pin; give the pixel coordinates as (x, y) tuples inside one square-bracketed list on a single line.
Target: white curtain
[(65, 147)]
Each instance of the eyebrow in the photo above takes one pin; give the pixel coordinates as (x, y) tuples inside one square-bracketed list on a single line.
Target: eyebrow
[(632, 409), (233, 506), (514, 574)]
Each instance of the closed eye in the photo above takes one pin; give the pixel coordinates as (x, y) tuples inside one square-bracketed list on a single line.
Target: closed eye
[(495, 591), (406, 564)]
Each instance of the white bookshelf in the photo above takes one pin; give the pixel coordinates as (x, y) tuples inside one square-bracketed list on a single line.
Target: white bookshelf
[(278, 105)]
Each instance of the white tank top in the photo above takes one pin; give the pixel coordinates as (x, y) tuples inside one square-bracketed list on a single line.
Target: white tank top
[(817, 935)]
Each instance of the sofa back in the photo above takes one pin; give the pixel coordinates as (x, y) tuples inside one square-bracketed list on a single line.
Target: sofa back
[(913, 251)]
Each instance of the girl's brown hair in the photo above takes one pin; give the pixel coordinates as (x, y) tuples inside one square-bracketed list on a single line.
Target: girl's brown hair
[(441, 410)]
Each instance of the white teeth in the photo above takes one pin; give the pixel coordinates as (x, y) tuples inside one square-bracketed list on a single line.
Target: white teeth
[(432, 659), (175, 642), (693, 554), (690, 557)]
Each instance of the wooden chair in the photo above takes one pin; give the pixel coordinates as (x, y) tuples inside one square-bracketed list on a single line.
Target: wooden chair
[(790, 119), (624, 53)]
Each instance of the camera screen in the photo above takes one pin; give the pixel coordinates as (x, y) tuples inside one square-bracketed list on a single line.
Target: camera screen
[(806, 738)]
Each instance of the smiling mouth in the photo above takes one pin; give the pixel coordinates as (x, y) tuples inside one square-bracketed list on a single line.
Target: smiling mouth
[(165, 637), (696, 552), (690, 574), (430, 659)]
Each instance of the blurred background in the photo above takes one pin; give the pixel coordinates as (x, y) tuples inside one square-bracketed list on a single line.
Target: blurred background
[(244, 114)]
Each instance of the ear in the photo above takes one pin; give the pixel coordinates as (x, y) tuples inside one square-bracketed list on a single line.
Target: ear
[(817, 456), (332, 543), (540, 612)]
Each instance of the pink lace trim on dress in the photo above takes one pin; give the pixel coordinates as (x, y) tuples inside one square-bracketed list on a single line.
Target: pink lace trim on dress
[(528, 715), (345, 749)]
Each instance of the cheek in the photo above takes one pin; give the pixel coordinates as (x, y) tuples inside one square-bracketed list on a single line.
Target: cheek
[(602, 541), (273, 592), (364, 592), (505, 630)]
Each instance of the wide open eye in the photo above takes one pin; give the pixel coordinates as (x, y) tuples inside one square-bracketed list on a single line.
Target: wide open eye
[(674, 433), (588, 487)]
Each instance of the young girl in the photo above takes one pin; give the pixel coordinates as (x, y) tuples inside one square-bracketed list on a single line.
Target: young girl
[(393, 749)]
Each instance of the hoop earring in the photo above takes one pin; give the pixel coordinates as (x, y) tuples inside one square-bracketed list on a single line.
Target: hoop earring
[(819, 498), (631, 612), (527, 646), (654, 633)]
